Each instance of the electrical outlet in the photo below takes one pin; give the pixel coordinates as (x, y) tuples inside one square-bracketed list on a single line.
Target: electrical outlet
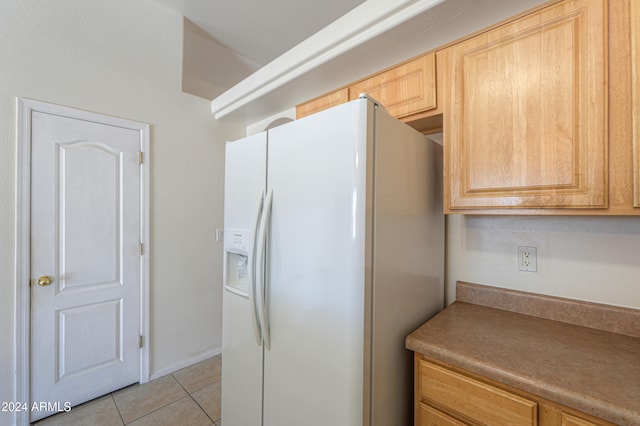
[(219, 235), (527, 259)]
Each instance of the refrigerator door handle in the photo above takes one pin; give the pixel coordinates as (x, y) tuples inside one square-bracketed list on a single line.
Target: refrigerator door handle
[(261, 270), (252, 272)]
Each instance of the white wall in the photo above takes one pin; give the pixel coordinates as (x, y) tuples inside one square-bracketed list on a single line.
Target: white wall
[(123, 58), (588, 258)]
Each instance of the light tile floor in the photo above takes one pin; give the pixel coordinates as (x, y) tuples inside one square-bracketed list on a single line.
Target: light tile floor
[(190, 396)]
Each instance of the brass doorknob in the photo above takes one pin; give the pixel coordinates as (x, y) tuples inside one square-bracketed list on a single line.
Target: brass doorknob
[(45, 281)]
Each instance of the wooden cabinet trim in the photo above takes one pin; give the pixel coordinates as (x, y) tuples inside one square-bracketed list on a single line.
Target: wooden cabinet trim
[(635, 93)]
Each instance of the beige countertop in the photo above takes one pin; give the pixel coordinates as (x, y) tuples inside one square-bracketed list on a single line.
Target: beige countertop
[(591, 370)]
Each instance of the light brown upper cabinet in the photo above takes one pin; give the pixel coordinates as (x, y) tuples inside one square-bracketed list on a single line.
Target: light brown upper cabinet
[(500, 173), (526, 123), (404, 90), (323, 102), (408, 91), (541, 113)]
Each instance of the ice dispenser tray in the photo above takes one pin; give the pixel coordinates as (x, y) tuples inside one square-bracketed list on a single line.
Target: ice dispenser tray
[(236, 247)]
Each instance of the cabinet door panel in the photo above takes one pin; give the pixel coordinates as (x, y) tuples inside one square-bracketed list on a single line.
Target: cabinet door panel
[(527, 118), (404, 90)]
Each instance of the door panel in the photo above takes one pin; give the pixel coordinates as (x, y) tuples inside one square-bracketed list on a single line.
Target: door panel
[(85, 234), (90, 250), (74, 332)]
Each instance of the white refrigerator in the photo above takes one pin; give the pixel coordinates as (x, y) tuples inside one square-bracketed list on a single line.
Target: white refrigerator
[(333, 254)]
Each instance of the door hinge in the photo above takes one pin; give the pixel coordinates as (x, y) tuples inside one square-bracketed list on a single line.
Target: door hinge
[(140, 249), (140, 157), (141, 341)]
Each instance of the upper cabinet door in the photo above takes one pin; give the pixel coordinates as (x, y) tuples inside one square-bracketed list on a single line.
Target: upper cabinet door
[(527, 118), (404, 90)]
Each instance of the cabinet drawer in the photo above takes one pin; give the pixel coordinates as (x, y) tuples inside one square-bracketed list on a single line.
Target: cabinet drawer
[(429, 416), (570, 420), (474, 399)]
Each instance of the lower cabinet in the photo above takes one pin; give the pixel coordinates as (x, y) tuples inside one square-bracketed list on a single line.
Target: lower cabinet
[(448, 397)]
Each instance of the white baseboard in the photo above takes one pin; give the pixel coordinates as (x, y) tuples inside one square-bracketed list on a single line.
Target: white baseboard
[(185, 363)]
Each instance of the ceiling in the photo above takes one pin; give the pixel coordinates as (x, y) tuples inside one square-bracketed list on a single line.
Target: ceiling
[(261, 30)]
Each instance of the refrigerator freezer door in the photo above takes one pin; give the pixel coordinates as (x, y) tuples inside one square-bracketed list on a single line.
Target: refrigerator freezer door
[(245, 180), (315, 287)]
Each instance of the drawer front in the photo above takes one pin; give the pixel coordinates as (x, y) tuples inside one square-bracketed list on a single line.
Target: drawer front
[(570, 420), (473, 399), (429, 416)]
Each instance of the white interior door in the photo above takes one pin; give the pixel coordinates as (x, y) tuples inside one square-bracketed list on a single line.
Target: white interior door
[(85, 260)]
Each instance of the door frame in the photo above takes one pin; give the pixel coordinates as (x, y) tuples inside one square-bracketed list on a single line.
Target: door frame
[(22, 330)]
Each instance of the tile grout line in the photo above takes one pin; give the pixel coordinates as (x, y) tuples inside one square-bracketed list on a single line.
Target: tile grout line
[(157, 409), (117, 408), (193, 399), (201, 407)]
